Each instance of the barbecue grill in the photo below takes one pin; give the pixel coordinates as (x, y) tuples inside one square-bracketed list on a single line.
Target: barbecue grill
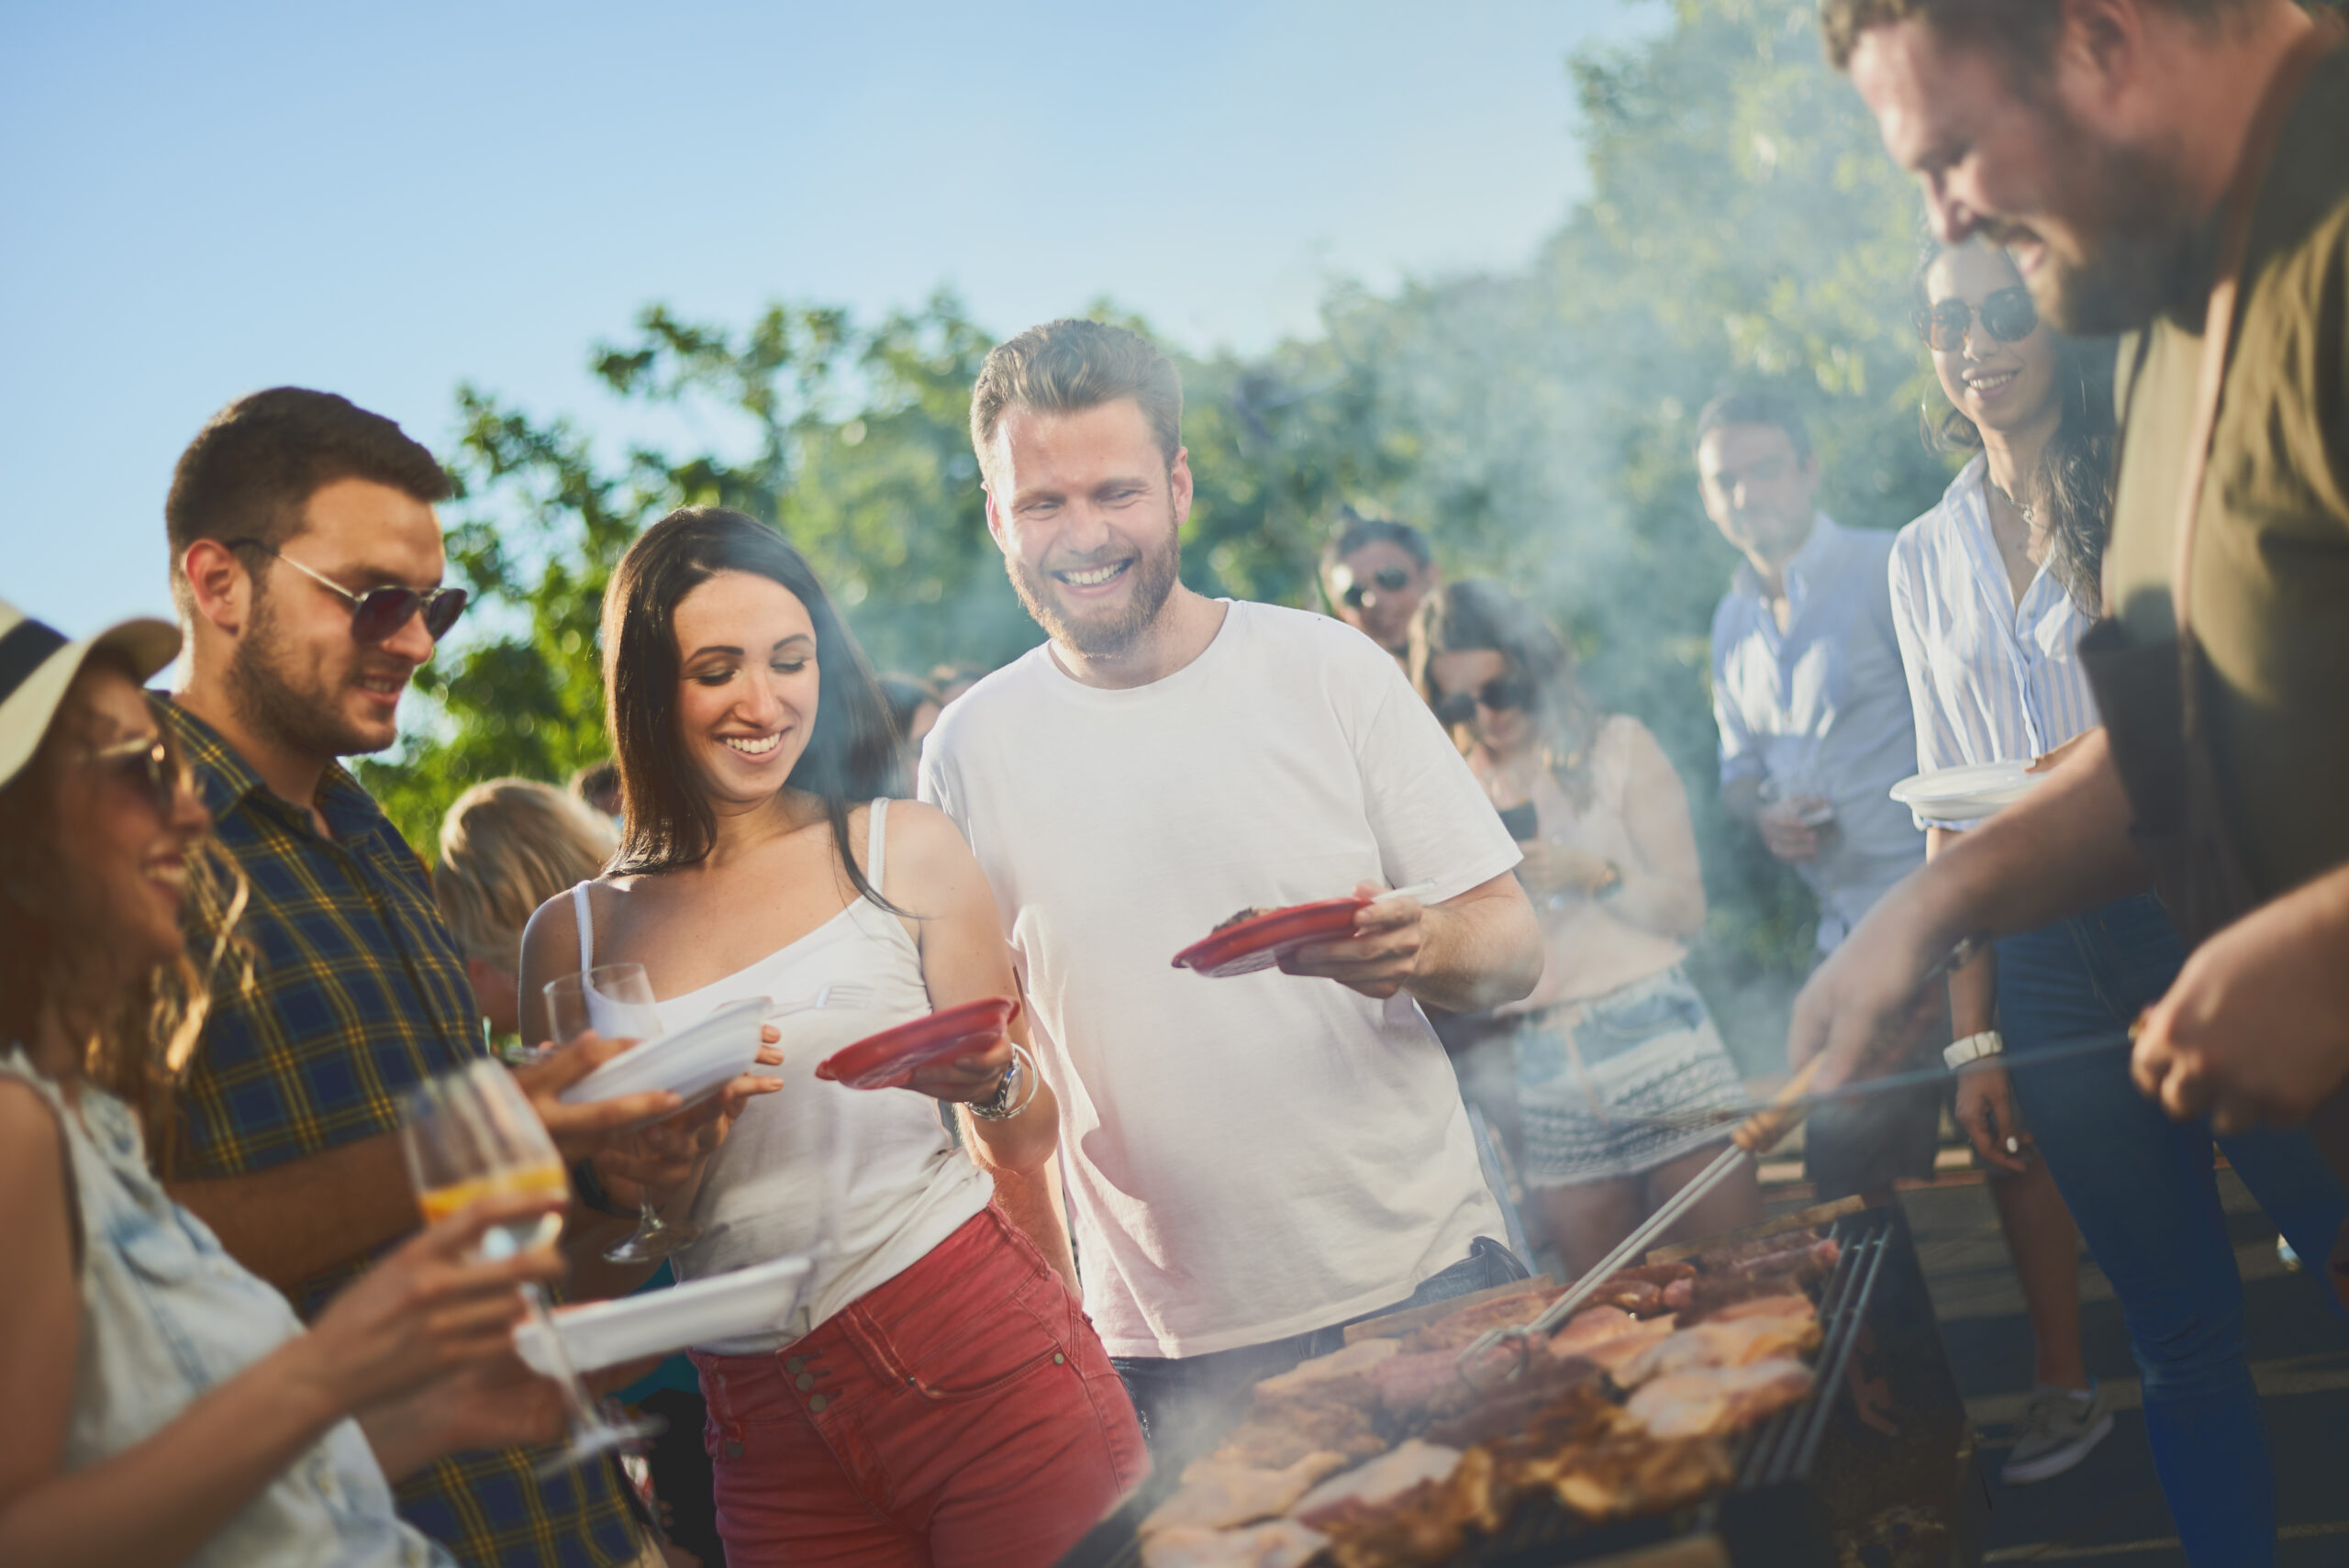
[(1874, 1470)]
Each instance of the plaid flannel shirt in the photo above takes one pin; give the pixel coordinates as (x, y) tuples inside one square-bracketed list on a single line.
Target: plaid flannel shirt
[(359, 991)]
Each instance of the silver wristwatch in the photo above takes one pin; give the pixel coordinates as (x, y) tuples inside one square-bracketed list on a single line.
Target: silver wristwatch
[(1000, 1106)]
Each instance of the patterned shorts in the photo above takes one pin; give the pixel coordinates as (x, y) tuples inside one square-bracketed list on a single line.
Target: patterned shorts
[(1618, 1085)]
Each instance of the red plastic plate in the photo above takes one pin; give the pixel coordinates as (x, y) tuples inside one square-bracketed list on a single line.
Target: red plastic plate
[(886, 1061), (1258, 941)]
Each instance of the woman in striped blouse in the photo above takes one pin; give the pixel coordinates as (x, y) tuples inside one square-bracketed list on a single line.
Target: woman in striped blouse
[(1990, 592)]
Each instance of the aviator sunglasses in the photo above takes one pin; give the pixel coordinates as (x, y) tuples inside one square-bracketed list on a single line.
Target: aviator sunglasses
[(376, 613), (1386, 580), (2008, 316), (1502, 694)]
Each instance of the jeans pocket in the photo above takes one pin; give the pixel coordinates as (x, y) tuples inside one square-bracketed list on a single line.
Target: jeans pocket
[(1610, 1029), (1017, 1344)]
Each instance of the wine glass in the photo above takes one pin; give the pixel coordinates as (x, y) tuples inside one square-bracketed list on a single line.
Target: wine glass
[(470, 1135), (616, 1001)]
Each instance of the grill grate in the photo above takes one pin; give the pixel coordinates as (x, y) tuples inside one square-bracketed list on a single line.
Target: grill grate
[(1771, 1502)]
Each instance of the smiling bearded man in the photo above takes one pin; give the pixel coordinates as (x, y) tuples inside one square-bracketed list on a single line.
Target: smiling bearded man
[(1252, 1160)]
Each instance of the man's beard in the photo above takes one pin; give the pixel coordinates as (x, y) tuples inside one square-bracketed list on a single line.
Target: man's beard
[(1154, 574), (2137, 226), (304, 719)]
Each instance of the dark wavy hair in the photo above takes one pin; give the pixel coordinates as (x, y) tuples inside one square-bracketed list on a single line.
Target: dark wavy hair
[(2075, 476), (1476, 614), (852, 750)]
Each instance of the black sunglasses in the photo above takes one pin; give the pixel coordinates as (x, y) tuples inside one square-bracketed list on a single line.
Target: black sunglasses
[(146, 765), (1502, 694), (2009, 316), (1386, 580), (376, 613)]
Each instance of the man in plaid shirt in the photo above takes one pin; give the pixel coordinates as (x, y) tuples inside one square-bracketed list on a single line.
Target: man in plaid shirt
[(306, 563)]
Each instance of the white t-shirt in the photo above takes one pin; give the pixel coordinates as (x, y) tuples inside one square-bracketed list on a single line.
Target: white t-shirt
[(1248, 1158)]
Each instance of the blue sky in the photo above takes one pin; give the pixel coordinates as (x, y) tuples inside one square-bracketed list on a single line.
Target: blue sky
[(384, 201)]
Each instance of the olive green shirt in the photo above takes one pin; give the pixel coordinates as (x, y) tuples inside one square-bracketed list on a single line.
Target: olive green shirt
[(2270, 574)]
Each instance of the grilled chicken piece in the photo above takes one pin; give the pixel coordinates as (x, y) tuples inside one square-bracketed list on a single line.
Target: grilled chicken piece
[(1704, 1297), (1369, 1489), (1426, 1524), (1217, 1494), (1280, 1543), (1340, 1377), (1636, 1296), (1633, 1476), (1608, 1337), (1740, 1342), (1274, 1437), (1458, 1330), (1658, 1274), (1791, 1303), (1717, 1400)]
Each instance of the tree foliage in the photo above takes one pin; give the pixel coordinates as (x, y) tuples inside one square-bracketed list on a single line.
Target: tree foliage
[(1743, 227)]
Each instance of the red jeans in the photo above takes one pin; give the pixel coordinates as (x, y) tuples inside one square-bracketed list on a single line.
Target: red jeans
[(961, 1415)]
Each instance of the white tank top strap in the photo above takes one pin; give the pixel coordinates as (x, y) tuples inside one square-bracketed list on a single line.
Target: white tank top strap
[(876, 845), (585, 919)]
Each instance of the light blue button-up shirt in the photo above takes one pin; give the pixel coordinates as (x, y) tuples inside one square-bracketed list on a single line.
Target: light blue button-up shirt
[(1822, 708), (1989, 680)]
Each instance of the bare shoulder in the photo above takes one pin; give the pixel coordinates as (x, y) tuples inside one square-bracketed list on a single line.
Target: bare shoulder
[(32, 1163), (921, 837), (553, 928), (30, 1136)]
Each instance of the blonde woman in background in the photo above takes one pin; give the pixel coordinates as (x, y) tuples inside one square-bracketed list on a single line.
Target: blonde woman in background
[(506, 847), (1613, 1045)]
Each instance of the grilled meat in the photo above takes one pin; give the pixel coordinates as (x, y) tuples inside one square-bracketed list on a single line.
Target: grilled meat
[(1217, 1494), (1719, 1400), (1226, 924), (1628, 1477), (1471, 1414), (1369, 1489), (1280, 1543), (1740, 1342), (1340, 1377), (1275, 1438), (1458, 1330)]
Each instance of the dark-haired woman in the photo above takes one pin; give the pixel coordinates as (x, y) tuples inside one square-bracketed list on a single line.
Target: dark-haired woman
[(164, 1406), (938, 1396), (1990, 592), (1618, 1059)]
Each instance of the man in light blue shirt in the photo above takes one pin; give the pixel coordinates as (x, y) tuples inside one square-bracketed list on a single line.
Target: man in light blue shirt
[(1816, 724)]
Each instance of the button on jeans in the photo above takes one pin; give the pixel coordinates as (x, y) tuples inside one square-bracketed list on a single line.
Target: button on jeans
[(2141, 1187)]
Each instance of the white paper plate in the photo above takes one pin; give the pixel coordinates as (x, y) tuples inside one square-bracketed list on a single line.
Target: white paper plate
[(606, 1333), (1967, 793), (695, 1061)]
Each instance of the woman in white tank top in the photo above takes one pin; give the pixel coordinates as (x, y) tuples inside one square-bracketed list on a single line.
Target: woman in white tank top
[(939, 1397)]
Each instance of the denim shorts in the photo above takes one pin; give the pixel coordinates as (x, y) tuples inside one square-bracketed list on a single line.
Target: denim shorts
[(1617, 1085)]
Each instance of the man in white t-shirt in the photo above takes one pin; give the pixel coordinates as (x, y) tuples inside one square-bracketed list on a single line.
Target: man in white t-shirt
[(1252, 1161)]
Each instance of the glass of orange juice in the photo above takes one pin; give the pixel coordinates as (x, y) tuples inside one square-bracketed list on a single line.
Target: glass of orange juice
[(471, 1134)]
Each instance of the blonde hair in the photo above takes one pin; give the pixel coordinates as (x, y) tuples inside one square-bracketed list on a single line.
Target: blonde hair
[(506, 847)]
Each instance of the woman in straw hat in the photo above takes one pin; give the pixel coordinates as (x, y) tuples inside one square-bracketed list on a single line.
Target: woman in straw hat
[(165, 1406)]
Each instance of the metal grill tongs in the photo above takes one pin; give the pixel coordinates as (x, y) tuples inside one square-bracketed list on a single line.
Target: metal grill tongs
[(1501, 1355)]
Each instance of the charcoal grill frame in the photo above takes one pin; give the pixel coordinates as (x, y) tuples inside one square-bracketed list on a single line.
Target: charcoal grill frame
[(1775, 1511)]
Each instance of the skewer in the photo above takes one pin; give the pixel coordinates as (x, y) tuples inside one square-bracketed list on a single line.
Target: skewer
[(1862, 1088), (1755, 1138)]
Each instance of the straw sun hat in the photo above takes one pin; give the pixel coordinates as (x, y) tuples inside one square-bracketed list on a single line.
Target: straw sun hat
[(38, 662)]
